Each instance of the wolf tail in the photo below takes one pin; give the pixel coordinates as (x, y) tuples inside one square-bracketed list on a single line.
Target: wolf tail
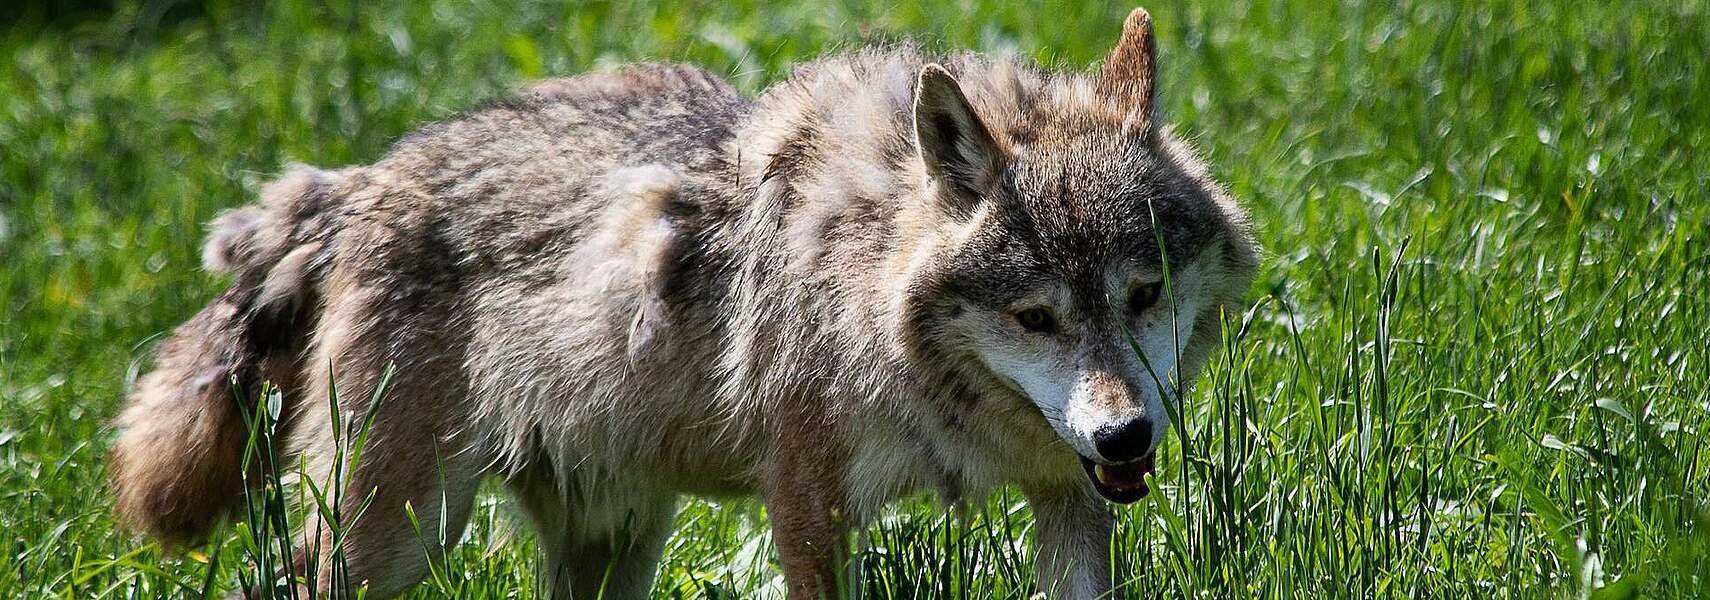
[(177, 466)]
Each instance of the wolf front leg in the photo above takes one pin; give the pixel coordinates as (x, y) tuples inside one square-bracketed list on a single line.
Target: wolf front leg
[(805, 500), (1071, 544)]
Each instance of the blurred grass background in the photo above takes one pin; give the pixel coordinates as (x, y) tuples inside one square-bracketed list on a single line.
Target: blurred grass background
[(1475, 364)]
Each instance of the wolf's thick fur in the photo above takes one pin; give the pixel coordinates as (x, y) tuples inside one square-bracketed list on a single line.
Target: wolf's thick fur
[(881, 276)]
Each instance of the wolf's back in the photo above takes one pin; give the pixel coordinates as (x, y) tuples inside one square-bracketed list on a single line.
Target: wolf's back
[(176, 466)]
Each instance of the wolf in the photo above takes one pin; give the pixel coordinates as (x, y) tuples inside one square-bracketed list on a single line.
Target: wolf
[(893, 272)]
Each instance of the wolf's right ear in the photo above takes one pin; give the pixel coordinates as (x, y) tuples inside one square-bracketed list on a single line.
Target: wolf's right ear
[(955, 146)]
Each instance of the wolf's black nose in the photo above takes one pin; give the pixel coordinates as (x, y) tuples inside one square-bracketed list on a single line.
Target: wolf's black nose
[(1124, 442)]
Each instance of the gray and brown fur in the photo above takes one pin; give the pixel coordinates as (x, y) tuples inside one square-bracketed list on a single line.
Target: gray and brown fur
[(627, 286)]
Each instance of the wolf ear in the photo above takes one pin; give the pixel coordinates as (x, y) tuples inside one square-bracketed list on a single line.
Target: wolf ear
[(1128, 76), (955, 146)]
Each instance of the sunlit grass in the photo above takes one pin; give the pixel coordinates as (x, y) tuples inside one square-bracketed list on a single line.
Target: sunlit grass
[(1474, 364)]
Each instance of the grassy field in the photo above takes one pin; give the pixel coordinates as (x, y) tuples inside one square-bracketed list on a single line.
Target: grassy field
[(1475, 364)]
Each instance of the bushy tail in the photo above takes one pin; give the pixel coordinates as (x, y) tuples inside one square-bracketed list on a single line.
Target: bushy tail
[(177, 465)]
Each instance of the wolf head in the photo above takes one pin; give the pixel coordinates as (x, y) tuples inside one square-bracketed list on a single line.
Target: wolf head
[(1083, 256)]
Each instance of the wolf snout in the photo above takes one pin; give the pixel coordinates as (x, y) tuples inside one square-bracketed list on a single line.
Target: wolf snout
[(1124, 441)]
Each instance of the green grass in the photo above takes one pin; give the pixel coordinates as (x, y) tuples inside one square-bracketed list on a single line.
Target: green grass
[(1475, 363)]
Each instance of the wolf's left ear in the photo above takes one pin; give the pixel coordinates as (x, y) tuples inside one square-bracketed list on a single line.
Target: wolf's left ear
[(955, 145), (1128, 76)]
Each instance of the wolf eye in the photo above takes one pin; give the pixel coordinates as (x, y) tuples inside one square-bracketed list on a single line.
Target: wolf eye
[(1037, 319), (1143, 297)]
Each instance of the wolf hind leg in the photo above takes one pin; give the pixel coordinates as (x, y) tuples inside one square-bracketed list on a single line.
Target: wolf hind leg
[(418, 470), (599, 543)]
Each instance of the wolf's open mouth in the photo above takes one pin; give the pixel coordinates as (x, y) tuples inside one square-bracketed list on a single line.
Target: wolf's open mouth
[(1121, 483)]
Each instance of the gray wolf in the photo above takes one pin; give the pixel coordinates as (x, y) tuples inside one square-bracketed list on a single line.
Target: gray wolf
[(892, 272)]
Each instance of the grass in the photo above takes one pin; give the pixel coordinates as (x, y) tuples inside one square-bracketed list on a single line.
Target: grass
[(1475, 364)]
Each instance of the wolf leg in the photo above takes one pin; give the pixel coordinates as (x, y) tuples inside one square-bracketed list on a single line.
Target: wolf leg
[(417, 471), (805, 502), (602, 539), (1071, 543)]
